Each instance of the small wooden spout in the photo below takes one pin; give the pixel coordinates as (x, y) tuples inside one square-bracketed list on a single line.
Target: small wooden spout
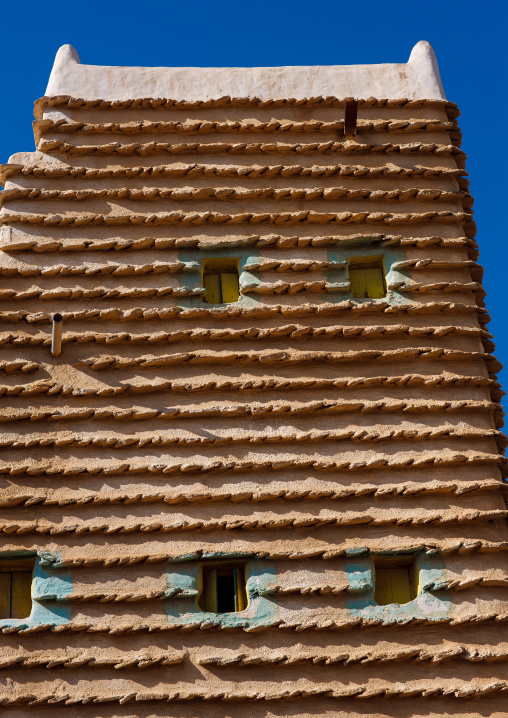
[(56, 335)]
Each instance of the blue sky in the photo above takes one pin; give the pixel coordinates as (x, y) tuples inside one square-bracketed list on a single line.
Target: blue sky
[(469, 39)]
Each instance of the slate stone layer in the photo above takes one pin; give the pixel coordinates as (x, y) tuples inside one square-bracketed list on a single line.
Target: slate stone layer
[(298, 430)]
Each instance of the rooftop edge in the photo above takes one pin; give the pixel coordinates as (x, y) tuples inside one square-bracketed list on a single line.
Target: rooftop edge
[(417, 79)]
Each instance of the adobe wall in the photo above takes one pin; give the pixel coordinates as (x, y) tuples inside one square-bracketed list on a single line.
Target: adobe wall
[(298, 430)]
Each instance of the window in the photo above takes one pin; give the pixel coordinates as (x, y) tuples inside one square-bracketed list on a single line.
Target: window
[(396, 580), (367, 277), (224, 589), (16, 587), (220, 280)]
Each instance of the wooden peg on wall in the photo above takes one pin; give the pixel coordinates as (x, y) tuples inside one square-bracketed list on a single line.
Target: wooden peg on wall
[(350, 118), (56, 335)]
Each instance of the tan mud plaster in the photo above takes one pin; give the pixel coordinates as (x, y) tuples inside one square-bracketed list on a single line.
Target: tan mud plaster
[(300, 432)]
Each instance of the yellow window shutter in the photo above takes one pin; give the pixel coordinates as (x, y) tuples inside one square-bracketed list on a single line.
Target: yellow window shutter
[(240, 592), (230, 287), (375, 283), (5, 595), (367, 282), (21, 594), (212, 288), (417, 581), (367, 277), (210, 590), (392, 586), (401, 592), (358, 282)]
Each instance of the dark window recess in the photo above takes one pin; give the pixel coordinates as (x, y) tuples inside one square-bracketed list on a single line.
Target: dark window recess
[(226, 592), (224, 589)]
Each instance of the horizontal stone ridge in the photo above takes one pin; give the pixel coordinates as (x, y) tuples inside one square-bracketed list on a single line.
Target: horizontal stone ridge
[(40, 245), (209, 625), (241, 126), (152, 659), (230, 193), (250, 171), (450, 108), (188, 497), (248, 148), (341, 549), (201, 218)]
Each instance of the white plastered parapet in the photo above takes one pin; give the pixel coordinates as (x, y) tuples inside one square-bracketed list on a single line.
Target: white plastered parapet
[(415, 80)]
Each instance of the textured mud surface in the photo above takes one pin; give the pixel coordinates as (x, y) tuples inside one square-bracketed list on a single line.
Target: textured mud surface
[(298, 430)]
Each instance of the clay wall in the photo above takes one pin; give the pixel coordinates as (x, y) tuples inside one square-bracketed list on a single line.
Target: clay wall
[(299, 430)]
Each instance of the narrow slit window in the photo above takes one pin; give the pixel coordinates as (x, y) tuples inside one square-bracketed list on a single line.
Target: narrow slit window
[(395, 580), (367, 277), (224, 589), (16, 576), (221, 281)]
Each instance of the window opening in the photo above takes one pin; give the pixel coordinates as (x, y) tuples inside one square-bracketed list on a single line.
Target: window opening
[(16, 575), (367, 277), (224, 589), (220, 280), (396, 580)]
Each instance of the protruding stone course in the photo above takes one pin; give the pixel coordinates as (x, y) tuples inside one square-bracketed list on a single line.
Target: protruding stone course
[(300, 432)]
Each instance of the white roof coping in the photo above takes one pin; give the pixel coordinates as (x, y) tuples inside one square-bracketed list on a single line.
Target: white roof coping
[(418, 79)]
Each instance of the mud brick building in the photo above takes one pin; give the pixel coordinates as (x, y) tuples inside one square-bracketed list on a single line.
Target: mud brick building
[(251, 452)]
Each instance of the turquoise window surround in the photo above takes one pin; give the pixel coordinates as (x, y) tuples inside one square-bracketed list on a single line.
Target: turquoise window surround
[(340, 257), (336, 275), (50, 587), (427, 605), (192, 279), (182, 581)]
